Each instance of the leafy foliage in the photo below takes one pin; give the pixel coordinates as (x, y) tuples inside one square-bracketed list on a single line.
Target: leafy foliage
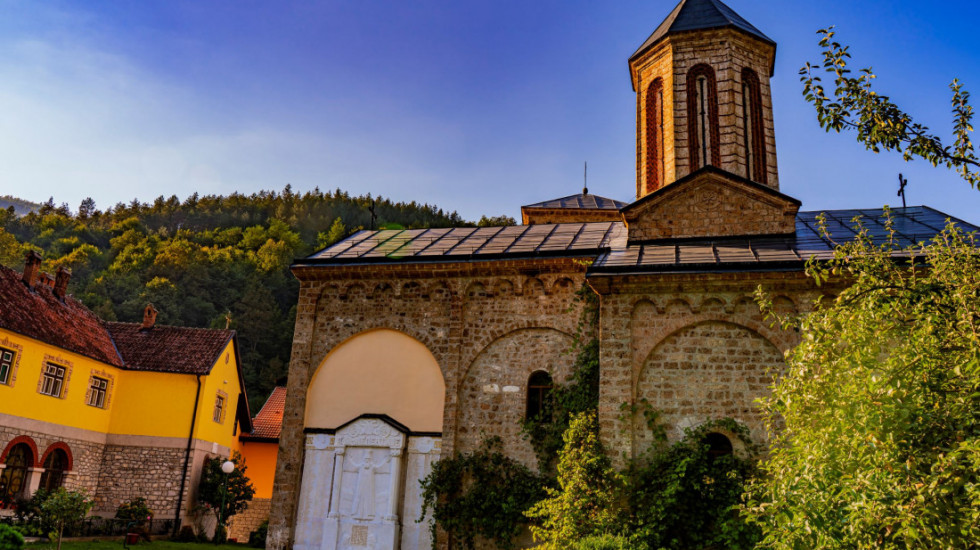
[(880, 124), (134, 510), (881, 445), (10, 538), (63, 508), (585, 504), (682, 496), (480, 494), (225, 494), (205, 262)]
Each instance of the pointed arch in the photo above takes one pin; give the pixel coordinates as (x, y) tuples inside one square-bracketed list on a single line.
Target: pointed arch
[(702, 117), (655, 135), (753, 142)]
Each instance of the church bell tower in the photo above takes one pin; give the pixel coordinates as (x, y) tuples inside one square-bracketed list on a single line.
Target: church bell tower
[(703, 98)]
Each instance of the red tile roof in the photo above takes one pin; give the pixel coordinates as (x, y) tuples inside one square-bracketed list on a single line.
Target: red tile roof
[(40, 315), (181, 350), (266, 424), (37, 313)]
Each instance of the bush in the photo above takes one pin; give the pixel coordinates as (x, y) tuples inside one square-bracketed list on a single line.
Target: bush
[(256, 539), (134, 510), (220, 534), (10, 538), (607, 542)]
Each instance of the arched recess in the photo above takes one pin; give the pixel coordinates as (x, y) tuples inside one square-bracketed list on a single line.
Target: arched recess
[(25, 440), (753, 139), (57, 462), (702, 117), (706, 371), (18, 458), (493, 392), (381, 371), (655, 136)]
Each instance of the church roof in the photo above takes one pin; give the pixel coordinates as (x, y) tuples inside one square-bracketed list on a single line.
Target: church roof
[(607, 243), (912, 225), (466, 243), (693, 15), (585, 201)]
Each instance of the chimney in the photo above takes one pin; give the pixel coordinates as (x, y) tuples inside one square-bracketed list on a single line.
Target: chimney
[(47, 280), (32, 268), (149, 317), (61, 283)]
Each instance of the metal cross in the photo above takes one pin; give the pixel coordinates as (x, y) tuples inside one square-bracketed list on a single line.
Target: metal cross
[(902, 182)]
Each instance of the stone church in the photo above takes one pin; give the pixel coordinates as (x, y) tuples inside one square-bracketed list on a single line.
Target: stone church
[(415, 344)]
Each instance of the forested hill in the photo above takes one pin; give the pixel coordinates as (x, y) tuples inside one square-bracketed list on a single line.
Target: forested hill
[(204, 260), (21, 206)]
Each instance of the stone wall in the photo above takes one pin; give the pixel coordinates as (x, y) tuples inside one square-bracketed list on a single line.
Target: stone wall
[(488, 325), (243, 523), (129, 472), (694, 346)]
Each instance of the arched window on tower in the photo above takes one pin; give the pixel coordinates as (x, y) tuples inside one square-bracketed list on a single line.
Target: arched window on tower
[(539, 386), (753, 142), (655, 135), (702, 117), (55, 465), (13, 479)]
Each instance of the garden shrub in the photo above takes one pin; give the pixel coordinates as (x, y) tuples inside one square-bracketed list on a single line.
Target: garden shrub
[(10, 538)]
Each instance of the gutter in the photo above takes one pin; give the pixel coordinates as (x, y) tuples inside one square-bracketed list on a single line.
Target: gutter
[(187, 456)]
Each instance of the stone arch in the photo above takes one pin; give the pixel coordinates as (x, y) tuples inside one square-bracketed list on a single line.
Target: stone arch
[(476, 290), (713, 305), (707, 370), (492, 391), (380, 371), (382, 291), (354, 291), (532, 287), (21, 439), (63, 447), (677, 306), (439, 290), (411, 289), (563, 285), (504, 288)]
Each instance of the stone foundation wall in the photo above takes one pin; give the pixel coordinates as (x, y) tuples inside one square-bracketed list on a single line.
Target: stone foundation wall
[(86, 456), (129, 472), (243, 523)]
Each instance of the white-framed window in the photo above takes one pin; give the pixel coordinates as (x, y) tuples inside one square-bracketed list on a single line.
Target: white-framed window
[(52, 380), (98, 388), (6, 364)]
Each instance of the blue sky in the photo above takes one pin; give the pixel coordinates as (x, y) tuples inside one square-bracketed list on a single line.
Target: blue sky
[(476, 106)]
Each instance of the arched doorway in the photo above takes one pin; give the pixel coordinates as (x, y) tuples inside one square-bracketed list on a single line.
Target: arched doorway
[(373, 424), (13, 480)]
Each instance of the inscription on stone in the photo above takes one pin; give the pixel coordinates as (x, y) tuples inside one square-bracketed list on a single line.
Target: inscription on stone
[(359, 535)]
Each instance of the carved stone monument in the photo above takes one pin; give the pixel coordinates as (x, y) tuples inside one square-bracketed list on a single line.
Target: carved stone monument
[(355, 495)]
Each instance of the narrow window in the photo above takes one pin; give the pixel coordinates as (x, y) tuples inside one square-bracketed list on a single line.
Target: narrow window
[(13, 478), (97, 391), (6, 365), (539, 387), (718, 445), (53, 380), (55, 466), (754, 141), (655, 135), (219, 409), (702, 117)]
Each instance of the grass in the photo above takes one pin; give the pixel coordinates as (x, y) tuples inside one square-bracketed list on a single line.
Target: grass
[(115, 543)]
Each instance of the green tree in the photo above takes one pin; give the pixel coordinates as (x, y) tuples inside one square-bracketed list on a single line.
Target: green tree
[(337, 231), (63, 508), (876, 417), (880, 124), (226, 494), (585, 504)]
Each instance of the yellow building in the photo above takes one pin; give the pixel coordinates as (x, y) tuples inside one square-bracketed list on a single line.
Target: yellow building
[(122, 410)]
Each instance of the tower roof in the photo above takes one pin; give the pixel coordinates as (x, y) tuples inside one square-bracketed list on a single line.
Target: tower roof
[(693, 15)]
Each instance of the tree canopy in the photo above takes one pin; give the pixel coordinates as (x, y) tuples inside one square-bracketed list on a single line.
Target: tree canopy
[(207, 261)]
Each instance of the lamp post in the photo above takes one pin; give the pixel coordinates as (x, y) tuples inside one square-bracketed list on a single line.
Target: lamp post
[(227, 467)]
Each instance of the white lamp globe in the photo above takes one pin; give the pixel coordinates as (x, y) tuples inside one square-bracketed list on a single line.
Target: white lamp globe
[(228, 467)]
